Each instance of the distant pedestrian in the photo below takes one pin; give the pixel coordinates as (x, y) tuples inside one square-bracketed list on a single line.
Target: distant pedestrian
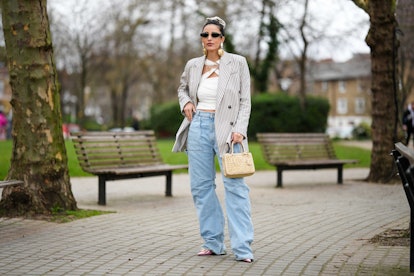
[(9, 124), (408, 122), (135, 123), (3, 125)]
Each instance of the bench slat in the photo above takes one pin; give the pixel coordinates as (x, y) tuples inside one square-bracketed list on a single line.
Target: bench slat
[(316, 162), (5, 183), (105, 154), (143, 169)]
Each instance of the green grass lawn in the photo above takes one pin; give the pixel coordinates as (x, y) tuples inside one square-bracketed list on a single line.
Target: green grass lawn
[(165, 145)]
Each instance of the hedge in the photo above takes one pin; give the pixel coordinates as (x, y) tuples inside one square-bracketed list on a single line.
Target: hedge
[(270, 113), (282, 113)]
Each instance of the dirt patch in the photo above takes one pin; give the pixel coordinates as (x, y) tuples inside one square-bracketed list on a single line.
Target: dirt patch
[(392, 237)]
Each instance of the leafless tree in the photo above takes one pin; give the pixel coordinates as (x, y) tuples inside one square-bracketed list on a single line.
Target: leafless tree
[(161, 47), (305, 35), (75, 44)]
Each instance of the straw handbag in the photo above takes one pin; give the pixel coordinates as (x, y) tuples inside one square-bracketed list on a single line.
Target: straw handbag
[(238, 164)]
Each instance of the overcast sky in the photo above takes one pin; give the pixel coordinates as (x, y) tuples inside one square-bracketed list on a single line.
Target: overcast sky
[(334, 17)]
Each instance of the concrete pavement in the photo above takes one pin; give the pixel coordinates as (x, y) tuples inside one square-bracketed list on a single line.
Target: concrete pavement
[(312, 226)]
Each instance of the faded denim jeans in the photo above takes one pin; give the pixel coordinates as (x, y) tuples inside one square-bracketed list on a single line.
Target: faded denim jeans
[(202, 150)]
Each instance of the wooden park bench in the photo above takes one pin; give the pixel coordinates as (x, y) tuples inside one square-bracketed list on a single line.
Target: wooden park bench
[(404, 160), (10, 182), (298, 151), (5, 183), (121, 155)]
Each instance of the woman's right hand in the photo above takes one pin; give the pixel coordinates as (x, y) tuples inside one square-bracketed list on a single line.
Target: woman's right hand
[(189, 110)]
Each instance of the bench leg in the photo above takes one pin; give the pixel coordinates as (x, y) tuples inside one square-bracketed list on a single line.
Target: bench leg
[(340, 169), (168, 184), (279, 178), (102, 190)]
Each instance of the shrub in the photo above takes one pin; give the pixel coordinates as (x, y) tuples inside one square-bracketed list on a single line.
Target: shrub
[(166, 118), (362, 131), (270, 113), (282, 113)]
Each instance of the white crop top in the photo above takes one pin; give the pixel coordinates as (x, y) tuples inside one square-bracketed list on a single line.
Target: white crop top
[(206, 93)]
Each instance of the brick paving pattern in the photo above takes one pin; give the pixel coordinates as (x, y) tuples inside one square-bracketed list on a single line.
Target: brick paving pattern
[(312, 226)]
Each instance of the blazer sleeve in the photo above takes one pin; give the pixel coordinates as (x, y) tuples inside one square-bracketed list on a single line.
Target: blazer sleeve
[(183, 89)]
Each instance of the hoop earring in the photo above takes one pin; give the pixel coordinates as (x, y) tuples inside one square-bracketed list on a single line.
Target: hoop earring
[(220, 51), (204, 49)]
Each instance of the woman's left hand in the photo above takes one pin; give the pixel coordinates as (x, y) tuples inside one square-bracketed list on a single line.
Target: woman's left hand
[(237, 137)]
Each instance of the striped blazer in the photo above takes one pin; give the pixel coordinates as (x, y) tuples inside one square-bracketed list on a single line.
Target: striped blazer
[(233, 99)]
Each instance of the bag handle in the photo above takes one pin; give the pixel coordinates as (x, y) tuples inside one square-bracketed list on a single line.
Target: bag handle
[(232, 146)]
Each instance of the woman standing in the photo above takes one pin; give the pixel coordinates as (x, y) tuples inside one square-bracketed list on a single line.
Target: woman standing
[(214, 97)]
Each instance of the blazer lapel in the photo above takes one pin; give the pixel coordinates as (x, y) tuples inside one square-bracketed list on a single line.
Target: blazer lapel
[(196, 72), (225, 72)]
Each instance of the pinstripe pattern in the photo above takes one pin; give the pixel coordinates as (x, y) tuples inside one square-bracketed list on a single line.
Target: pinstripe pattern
[(233, 99)]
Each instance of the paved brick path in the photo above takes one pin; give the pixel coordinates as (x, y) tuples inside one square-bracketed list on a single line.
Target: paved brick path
[(310, 227)]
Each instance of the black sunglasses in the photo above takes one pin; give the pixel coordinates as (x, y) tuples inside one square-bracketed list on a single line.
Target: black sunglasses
[(215, 35)]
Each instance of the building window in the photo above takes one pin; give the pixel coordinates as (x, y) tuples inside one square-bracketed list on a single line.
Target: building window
[(341, 86), (342, 106), (324, 86), (285, 83), (359, 105)]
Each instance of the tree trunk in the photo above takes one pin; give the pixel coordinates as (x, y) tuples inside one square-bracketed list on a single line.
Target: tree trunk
[(114, 105), (80, 103), (303, 57), (381, 40), (39, 154)]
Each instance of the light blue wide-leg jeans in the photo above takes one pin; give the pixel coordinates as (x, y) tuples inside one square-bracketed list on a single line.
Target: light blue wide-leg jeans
[(202, 149)]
